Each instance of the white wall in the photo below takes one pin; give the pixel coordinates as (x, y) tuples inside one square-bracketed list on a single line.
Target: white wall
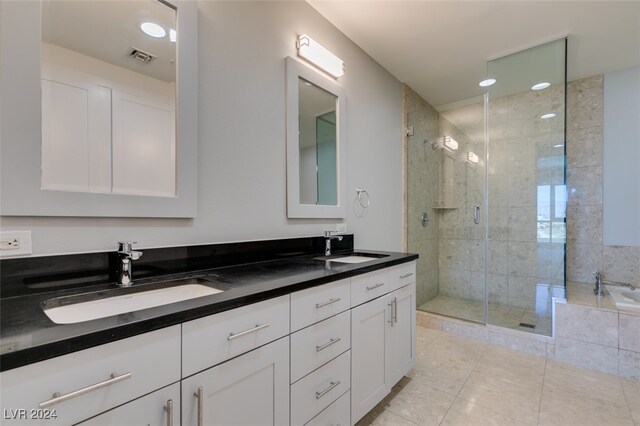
[(621, 173), (242, 170)]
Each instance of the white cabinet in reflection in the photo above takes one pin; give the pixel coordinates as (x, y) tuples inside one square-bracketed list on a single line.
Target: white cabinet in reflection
[(105, 129)]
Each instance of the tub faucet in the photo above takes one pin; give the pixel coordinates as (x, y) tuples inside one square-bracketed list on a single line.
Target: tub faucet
[(600, 281), (328, 236), (126, 254)]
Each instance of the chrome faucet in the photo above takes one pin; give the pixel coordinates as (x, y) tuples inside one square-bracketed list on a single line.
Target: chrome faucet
[(328, 236), (599, 289), (126, 254)]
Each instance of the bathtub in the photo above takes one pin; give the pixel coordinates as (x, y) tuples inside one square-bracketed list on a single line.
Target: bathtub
[(624, 297)]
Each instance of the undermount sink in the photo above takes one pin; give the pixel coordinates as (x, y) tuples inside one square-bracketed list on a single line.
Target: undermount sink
[(353, 258), (90, 306)]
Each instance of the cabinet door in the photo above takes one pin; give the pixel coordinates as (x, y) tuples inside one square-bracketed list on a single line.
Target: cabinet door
[(252, 389), (402, 333), (369, 351), (157, 408)]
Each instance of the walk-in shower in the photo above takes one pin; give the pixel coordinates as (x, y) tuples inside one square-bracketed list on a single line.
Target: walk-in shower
[(489, 175)]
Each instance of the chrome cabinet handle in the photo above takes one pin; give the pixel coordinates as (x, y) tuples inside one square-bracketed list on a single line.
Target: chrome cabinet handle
[(169, 409), (372, 287), (390, 305), (329, 343), (476, 214), (328, 302), (395, 310), (320, 394), (406, 275), (199, 394), (251, 330), (57, 397)]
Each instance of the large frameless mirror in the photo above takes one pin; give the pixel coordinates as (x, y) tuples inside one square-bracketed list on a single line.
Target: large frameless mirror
[(315, 144)]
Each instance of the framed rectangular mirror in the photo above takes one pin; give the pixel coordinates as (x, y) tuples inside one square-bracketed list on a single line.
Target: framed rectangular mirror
[(316, 145), (101, 118)]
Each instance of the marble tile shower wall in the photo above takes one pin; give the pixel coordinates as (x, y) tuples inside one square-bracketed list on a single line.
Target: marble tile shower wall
[(422, 190), (525, 257), (586, 252)]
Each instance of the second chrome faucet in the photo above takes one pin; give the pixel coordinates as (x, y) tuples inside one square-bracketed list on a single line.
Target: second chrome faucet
[(125, 255)]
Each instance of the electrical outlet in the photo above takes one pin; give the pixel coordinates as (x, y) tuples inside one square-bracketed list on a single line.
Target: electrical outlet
[(341, 228), (15, 243)]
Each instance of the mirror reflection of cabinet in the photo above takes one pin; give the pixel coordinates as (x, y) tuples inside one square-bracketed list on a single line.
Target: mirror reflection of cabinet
[(315, 144), (129, 154), (108, 113)]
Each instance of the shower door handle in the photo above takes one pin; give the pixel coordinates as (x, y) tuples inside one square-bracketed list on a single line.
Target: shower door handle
[(476, 214)]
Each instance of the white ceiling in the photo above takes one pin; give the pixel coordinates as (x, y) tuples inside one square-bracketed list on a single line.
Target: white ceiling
[(440, 48)]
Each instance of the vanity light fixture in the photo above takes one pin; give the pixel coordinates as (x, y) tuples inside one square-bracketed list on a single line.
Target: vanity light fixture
[(173, 36), (315, 53), (472, 157), (488, 82), (540, 86), (546, 116), (153, 30)]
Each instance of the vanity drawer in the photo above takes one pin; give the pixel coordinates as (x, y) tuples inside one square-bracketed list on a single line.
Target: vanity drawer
[(318, 390), (211, 340), (401, 275), (93, 380), (317, 303), (369, 286), (338, 413), (318, 344)]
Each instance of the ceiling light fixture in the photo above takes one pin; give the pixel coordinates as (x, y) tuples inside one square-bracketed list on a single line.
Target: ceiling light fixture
[(315, 53), (173, 36), (488, 82), (153, 30), (540, 86), (546, 116), (472, 157), (450, 143)]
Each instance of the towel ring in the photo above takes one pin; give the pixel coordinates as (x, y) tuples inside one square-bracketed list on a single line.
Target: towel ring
[(363, 197)]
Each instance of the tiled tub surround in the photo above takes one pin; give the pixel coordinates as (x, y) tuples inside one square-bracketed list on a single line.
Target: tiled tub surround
[(591, 332), (250, 272)]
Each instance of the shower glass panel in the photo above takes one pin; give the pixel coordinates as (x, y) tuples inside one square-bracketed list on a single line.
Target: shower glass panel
[(526, 187), (486, 212), (446, 170)]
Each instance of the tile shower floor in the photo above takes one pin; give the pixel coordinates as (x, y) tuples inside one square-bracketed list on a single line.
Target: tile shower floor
[(457, 381), (501, 315)]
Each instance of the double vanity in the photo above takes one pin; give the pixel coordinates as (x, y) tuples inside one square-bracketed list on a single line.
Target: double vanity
[(262, 333)]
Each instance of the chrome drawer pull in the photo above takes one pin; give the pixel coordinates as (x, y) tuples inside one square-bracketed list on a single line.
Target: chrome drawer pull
[(327, 390), (57, 398), (251, 330), (375, 286), (199, 394), (169, 409), (328, 302), (329, 343), (406, 275)]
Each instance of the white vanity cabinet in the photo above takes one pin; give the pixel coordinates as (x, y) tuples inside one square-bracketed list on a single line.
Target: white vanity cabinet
[(69, 389), (160, 408), (250, 390), (382, 341)]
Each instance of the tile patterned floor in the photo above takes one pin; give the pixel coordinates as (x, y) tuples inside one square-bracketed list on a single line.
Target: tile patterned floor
[(457, 381), (503, 316)]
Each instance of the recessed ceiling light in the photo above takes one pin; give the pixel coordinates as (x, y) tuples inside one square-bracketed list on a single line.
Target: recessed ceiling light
[(545, 116), (153, 30), (487, 82), (540, 86), (172, 35), (558, 146)]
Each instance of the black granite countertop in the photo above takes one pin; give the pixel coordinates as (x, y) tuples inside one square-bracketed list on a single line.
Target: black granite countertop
[(28, 335)]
